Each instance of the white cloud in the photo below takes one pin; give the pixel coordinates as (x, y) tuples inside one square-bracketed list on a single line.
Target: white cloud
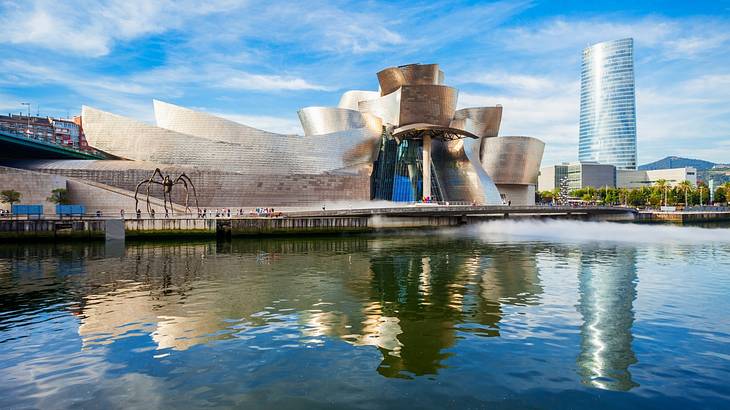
[(511, 81), (554, 120), (248, 81), (91, 28), (675, 39)]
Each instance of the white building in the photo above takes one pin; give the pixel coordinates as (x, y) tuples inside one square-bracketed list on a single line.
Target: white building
[(639, 178)]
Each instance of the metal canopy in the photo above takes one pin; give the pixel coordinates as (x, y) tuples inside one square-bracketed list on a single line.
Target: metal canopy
[(420, 130)]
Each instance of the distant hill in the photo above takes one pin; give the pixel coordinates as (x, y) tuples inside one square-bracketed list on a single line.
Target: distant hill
[(678, 162)]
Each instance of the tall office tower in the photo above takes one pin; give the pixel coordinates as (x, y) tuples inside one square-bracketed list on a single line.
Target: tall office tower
[(608, 104)]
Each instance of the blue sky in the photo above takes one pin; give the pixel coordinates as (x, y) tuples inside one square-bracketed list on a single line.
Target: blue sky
[(258, 62)]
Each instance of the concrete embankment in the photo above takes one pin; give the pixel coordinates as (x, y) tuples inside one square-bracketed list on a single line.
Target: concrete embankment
[(42, 229), (683, 217), (169, 227), (299, 223)]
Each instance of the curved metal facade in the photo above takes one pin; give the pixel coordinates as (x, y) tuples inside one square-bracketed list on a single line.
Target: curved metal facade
[(386, 107), (608, 104), (277, 154), (460, 175), (390, 80), (200, 124), (430, 104), (481, 121), (512, 160), (327, 120), (350, 99), (422, 74)]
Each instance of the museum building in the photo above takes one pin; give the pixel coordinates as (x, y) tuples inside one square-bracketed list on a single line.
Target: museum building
[(406, 142)]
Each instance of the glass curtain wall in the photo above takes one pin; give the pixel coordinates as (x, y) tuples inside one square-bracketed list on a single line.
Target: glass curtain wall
[(398, 172)]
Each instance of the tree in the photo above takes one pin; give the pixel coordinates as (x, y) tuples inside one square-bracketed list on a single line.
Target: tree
[(59, 196), (623, 194), (720, 195), (701, 195), (10, 196), (685, 186), (636, 197), (661, 186), (545, 197)]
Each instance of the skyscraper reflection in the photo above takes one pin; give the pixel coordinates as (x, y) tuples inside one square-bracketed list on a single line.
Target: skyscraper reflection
[(607, 286)]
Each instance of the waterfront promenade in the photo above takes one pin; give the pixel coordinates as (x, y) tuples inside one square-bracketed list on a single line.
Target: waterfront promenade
[(300, 222)]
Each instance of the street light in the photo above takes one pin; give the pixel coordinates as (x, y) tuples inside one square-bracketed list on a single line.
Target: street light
[(27, 129)]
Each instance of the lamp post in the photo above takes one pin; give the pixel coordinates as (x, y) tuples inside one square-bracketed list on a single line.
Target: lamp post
[(27, 129)]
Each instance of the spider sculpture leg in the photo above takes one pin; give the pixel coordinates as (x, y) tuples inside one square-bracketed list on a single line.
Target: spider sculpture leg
[(164, 198), (136, 191), (152, 181), (179, 180), (184, 177)]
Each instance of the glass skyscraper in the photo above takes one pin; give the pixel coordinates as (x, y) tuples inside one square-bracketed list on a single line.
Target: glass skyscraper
[(608, 104)]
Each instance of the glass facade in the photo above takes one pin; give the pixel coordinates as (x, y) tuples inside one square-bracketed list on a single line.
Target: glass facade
[(398, 172), (608, 104)]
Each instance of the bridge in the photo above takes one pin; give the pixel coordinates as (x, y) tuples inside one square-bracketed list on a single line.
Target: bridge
[(14, 145)]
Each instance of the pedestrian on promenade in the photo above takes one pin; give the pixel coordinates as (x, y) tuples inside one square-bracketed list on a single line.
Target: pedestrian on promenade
[(121, 213), (152, 213)]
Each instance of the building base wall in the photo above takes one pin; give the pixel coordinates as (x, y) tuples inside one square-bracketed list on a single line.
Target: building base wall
[(522, 195), (34, 187), (220, 189)]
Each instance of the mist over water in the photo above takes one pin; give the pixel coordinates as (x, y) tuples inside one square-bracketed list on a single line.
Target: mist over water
[(581, 231)]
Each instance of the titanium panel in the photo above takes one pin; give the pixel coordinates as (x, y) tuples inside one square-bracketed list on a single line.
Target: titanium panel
[(387, 107), (482, 121), (430, 104), (512, 160), (460, 175), (390, 80), (327, 120), (204, 125), (350, 99), (422, 74), (275, 154)]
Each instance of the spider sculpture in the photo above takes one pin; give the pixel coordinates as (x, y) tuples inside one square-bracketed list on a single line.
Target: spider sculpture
[(167, 184)]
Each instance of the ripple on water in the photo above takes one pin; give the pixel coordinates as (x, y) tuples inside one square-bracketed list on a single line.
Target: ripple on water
[(428, 321)]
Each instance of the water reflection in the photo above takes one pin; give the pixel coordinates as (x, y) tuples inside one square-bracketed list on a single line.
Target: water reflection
[(607, 286), (417, 300), (414, 299)]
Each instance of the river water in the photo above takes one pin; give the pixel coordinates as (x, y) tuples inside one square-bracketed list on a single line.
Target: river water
[(500, 315)]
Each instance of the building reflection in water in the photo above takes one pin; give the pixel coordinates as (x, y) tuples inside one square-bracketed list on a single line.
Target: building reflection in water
[(607, 285), (408, 297), (420, 299)]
